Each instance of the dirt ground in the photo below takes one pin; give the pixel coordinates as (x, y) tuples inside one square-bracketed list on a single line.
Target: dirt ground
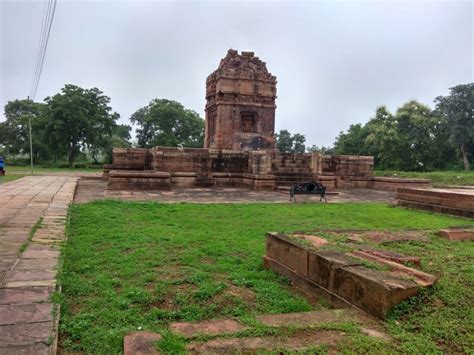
[(91, 190)]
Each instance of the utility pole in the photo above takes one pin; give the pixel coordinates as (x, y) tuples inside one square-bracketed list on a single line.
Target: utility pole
[(31, 139)]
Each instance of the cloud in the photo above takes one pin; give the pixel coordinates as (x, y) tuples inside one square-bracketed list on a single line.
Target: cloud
[(335, 61)]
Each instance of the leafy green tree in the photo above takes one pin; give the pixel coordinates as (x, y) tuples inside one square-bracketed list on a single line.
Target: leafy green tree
[(416, 136), (322, 149), (14, 132), (168, 123), (120, 138), (284, 141), (78, 118), (298, 143), (352, 142), (288, 143), (457, 112), (412, 139)]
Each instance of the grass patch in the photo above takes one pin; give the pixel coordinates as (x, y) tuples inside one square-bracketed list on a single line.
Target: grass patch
[(33, 230), (463, 178), (25, 170), (10, 177), (131, 265)]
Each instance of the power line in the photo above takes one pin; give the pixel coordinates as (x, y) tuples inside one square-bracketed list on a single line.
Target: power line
[(46, 11), (46, 31), (48, 17)]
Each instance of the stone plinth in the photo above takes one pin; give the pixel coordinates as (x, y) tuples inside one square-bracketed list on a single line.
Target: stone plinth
[(139, 180), (458, 202)]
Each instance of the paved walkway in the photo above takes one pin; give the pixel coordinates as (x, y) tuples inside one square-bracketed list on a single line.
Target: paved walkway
[(91, 190), (28, 260)]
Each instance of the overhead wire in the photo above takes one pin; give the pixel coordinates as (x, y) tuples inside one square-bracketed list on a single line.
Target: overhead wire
[(47, 4), (44, 40)]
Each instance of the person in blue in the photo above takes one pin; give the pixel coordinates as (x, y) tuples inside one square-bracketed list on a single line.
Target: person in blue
[(2, 166)]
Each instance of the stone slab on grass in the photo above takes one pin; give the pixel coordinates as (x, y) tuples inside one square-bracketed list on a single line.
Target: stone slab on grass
[(299, 341), (139, 343), (303, 319), (457, 234), (421, 278), (208, 327)]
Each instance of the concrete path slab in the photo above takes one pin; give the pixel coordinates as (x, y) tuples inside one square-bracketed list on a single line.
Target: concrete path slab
[(29, 258)]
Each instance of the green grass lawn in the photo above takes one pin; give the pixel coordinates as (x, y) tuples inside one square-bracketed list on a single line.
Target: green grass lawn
[(25, 170), (438, 177), (130, 265), (10, 177)]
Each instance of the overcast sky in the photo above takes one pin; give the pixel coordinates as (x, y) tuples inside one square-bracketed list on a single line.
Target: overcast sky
[(335, 61)]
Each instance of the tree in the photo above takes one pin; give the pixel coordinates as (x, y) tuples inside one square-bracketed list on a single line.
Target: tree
[(78, 118), (298, 143), (14, 132), (415, 132), (284, 141), (168, 123), (120, 138), (457, 110), (288, 143), (352, 142), (322, 149)]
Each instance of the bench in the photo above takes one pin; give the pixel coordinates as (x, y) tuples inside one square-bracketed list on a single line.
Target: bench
[(308, 188)]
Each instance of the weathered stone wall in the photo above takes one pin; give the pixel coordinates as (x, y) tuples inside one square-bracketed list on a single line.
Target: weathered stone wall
[(257, 169), (131, 158), (260, 169)]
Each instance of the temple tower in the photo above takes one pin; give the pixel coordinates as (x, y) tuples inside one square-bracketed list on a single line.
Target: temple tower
[(240, 107)]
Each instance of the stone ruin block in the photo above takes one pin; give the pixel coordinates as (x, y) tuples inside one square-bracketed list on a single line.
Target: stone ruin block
[(287, 252), (457, 234), (138, 180), (339, 277), (458, 202), (130, 158), (370, 290)]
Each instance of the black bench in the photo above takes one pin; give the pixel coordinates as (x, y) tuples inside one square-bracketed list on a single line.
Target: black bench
[(308, 188)]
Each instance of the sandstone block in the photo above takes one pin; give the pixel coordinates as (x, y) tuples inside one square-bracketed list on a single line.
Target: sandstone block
[(457, 234), (287, 252), (141, 343)]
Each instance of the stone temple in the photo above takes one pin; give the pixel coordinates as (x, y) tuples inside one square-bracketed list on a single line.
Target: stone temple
[(240, 108), (239, 147)]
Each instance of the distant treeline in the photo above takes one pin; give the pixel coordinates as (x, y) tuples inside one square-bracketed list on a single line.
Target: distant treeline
[(79, 124), (415, 138)]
